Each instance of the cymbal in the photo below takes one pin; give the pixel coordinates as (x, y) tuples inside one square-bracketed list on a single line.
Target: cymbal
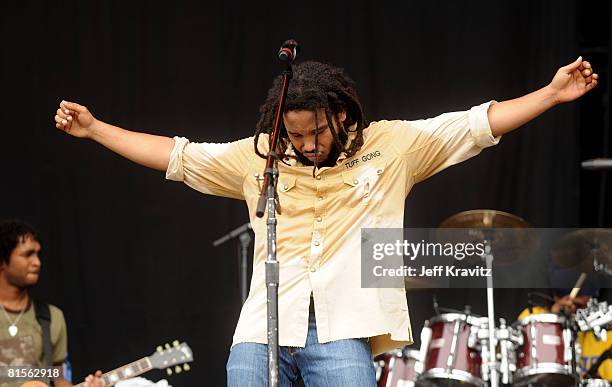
[(484, 219), (509, 236), (418, 283), (582, 247)]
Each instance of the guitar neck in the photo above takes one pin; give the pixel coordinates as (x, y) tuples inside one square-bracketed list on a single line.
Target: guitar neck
[(127, 371)]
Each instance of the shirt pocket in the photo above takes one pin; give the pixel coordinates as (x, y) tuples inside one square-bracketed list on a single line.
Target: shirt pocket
[(287, 194), (362, 186)]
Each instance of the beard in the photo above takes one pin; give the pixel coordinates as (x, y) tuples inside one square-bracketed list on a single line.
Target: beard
[(22, 282), (331, 159)]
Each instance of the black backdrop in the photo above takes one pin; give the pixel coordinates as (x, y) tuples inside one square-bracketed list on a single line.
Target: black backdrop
[(128, 256)]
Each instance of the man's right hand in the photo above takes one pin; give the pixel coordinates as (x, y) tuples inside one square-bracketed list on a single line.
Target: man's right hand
[(74, 119), (145, 149), (569, 304)]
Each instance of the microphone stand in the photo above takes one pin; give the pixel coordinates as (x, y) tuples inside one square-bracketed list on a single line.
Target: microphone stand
[(268, 195), (245, 241), (243, 235)]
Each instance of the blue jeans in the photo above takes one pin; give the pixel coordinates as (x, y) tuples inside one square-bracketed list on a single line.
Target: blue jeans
[(342, 363)]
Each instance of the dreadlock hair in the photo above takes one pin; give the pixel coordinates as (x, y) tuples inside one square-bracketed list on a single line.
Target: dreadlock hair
[(13, 232), (315, 85)]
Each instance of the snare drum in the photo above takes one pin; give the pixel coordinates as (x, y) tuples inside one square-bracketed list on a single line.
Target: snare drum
[(396, 368), (452, 356), (547, 357)]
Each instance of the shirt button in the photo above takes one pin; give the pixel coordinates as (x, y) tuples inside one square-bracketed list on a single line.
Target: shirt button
[(319, 219), (285, 187), (355, 181), (313, 269), (316, 243), (320, 197), (318, 177)]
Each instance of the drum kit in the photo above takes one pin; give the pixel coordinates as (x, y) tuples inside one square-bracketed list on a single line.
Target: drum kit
[(459, 348)]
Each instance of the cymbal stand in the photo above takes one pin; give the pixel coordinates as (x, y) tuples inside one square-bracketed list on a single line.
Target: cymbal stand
[(490, 362)]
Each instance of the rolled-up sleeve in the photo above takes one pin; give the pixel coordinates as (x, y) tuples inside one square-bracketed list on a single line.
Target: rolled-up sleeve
[(479, 125), (214, 169), (433, 144), (175, 166)]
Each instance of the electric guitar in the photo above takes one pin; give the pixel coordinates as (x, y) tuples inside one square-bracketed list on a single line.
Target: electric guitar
[(169, 357)]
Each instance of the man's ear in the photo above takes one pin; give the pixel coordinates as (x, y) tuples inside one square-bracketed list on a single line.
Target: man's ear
[(342, 116)]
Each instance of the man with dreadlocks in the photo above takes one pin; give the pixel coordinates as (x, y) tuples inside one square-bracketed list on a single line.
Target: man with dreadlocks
[(338, 174)]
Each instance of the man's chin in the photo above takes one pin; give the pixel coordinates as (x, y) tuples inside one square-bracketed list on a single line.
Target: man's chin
[(310, 160), (319, 160), (30, 280)]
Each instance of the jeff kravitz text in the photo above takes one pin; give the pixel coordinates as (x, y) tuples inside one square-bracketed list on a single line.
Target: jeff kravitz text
[(435, 271)]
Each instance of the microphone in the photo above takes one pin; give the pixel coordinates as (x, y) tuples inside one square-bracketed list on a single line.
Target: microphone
[(597, 164), (288, 50)]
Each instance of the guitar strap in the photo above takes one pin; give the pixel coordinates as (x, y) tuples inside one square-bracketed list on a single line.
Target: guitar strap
[(43, 316)]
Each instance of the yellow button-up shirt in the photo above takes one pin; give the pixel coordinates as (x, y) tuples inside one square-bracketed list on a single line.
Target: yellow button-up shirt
[(318, 231)]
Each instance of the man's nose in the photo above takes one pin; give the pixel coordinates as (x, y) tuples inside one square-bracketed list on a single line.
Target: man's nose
[(36, 261), (309, 146)]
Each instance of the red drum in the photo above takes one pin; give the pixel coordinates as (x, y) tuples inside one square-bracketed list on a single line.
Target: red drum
[(452, 352), (396, 368), (547, 356)]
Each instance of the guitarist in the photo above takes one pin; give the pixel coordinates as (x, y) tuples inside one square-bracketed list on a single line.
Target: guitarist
[(31, 333)]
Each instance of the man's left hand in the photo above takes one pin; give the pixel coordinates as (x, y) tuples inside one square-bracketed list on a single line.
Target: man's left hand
[(94, 380), (573, 81)]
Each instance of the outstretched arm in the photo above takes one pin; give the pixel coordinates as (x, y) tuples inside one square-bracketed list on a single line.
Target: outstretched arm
[(569, 83), (145, 149)]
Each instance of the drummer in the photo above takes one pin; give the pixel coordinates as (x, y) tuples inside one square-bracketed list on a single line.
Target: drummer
[(591, 347)]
